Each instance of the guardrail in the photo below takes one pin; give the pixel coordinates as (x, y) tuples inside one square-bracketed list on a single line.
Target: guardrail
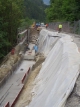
[(15, 100), (25, 76), (69, 27)]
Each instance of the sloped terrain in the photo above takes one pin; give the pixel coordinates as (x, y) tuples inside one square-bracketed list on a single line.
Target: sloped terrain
[(74, 98), (58, 73)]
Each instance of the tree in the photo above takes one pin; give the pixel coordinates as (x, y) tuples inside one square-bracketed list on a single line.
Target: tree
[(34, 9), (10, 15), (66, 10)]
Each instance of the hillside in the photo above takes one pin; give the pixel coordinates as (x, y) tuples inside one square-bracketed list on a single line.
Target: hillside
[(35, 9)]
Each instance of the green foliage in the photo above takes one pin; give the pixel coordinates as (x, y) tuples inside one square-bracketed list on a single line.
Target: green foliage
[(10, 15), (67, 10), (26, 22), (35, 9), (16, 14)]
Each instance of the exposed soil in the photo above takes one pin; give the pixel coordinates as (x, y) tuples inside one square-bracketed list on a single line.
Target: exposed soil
[(26, 95)]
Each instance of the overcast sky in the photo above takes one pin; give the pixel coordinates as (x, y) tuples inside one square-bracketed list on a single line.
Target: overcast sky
[(46, 2)]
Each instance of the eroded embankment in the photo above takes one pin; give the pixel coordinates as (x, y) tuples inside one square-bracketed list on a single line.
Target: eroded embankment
[(57, 75)]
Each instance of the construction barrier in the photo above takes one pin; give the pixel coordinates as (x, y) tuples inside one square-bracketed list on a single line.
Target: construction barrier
[(14, 102), (28, 70), (7, 105), (22, 81), (11, 72), (25, 76)]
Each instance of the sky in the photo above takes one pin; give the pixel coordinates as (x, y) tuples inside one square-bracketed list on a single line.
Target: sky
[(46, 2)]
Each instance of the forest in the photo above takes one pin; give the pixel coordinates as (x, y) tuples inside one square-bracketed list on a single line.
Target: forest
[(35, 9), (20, 14), (63, 10), (16, 14)]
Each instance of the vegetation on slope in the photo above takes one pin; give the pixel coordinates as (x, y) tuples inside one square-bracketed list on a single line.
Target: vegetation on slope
[(35, 9), (10, 15), (15, 14), (68, 10)]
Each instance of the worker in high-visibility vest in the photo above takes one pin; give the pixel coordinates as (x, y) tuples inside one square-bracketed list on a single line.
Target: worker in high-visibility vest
[(60, 27)]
